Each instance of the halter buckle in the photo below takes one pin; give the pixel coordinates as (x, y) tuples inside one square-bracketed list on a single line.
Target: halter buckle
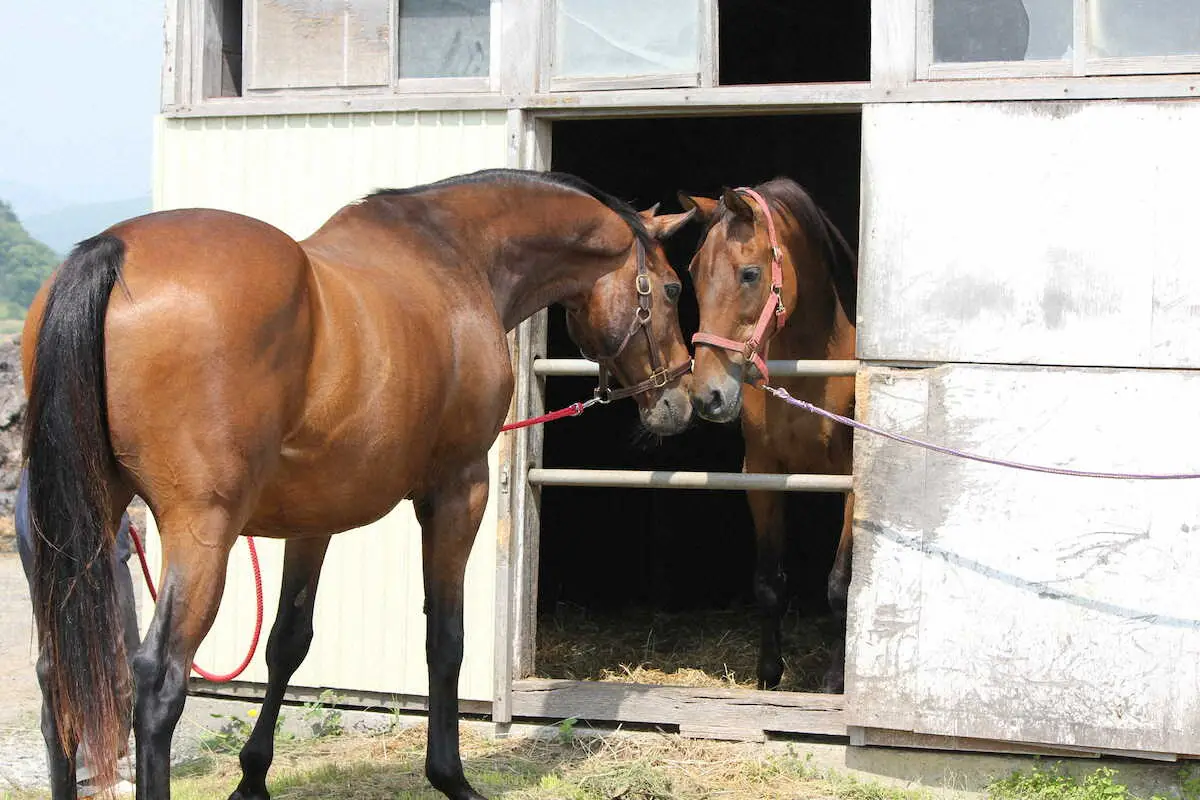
[(779, 309), (660, 378), (776, 253), (642, 284), (750, 349)]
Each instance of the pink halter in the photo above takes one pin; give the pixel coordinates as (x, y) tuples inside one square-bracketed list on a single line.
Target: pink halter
[(754, 349)]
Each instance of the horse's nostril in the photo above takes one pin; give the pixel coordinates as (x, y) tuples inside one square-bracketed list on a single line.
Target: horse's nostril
[(715, 401)]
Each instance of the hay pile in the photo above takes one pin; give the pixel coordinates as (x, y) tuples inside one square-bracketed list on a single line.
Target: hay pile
[(695, 648)]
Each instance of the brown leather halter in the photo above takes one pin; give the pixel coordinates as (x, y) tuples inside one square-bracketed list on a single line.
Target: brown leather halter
[(660, 375), (754, 349)]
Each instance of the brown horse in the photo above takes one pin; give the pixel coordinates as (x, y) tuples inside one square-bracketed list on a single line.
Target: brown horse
[(799, 298), (243, 383)]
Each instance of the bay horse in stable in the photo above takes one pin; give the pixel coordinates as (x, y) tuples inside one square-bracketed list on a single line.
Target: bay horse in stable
[(244, 383), (772, 269)]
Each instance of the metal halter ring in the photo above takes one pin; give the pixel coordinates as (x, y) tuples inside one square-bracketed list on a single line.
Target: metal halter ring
[(602, 395), (643, 316)]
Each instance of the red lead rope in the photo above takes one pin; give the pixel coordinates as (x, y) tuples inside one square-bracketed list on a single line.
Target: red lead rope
[(573, 410), (258, 591)]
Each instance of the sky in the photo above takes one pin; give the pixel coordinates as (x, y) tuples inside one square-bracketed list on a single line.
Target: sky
[(79, 89)]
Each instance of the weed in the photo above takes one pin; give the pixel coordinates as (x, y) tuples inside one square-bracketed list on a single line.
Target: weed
[(566, 730), (1053, 783), (230, 737), (323, 715)]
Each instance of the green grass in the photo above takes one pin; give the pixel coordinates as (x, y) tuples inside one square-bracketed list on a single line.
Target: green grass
[(1054, 783), (642, 767)]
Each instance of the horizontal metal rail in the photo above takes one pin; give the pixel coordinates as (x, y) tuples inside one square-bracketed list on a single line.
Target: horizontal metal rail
[(675, 479), (578, 367)]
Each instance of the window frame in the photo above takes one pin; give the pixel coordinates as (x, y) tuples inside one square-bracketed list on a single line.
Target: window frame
[(706, 63), (1080, 66), (394, 85)]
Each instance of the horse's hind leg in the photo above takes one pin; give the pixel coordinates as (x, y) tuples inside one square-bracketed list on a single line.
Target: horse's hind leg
[(838, 594), (770, 584), (195, 545), (61, 764), (449, 517), (290, 638)]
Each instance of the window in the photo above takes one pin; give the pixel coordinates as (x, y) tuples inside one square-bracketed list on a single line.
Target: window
[(222, 49), (444, 38), (627, 41), (968, 38), (317, 43), (1133, 28), (312, 44)]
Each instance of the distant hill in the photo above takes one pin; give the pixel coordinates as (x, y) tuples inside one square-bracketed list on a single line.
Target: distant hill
[(27, 200), (25, 263), (64, 227)]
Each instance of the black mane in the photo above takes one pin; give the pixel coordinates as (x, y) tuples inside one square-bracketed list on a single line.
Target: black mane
[(560, 179)]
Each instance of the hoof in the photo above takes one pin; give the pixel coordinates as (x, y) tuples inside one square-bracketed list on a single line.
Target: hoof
[(249, 793), (769, 677)]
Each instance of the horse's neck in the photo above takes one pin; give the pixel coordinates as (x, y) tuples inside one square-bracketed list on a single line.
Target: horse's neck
[(816, 326), (534, 248)]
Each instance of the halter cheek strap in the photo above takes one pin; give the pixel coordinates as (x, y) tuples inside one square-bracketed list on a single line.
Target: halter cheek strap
[(660, 375), (754, 349)]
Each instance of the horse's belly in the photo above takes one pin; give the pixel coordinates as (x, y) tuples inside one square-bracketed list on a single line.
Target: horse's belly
[(337, 492)]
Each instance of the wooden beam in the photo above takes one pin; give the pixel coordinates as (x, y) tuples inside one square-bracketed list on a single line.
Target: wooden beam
[(697, 709)]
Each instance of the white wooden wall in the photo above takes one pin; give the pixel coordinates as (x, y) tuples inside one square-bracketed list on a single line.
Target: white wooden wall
[(294, 172), (1042, 258), (1033, 233)]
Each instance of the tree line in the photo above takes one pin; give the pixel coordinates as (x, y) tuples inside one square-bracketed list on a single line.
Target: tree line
[(25, 263)]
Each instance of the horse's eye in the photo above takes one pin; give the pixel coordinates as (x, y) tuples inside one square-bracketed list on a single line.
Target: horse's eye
[(673, 290), (749, 275)]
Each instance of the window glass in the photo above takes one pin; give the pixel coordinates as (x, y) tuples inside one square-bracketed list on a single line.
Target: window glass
[(1124, 28), (626, 38), (1002, 30), (444, 38), (320, 43)]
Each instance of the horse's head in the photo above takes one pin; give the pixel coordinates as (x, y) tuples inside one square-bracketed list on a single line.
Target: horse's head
[(742, 281), (629, 323), (768, 253)]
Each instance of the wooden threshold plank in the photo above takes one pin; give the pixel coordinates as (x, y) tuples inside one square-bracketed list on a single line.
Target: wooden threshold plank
[(729, 709)]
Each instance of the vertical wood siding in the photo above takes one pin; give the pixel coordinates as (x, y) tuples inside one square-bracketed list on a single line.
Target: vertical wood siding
[(294, 172)]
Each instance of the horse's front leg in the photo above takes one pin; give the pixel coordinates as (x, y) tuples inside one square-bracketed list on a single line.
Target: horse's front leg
[(838, 593), (287, 646), (449, 515), (770, 583)]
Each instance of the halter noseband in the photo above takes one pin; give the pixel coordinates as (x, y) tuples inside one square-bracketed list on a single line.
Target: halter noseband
[(754, 349), (660, 375)]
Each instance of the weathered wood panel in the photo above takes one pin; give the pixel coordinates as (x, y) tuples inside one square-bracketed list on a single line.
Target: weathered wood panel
[(997, 604), (700, 709), (1031, 233)]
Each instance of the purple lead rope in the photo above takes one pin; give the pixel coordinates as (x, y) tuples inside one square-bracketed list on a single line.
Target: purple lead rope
[(783, 395)]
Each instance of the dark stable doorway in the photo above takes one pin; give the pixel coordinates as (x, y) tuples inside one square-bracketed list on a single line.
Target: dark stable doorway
[(625, 550), (787, 41)]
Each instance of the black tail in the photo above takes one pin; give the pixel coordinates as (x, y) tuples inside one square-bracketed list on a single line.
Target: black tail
[(71, 469)]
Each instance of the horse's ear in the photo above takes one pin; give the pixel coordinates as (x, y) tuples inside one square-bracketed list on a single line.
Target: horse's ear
[(702, 206), (736, 202), (648, 214), (665, 225)]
